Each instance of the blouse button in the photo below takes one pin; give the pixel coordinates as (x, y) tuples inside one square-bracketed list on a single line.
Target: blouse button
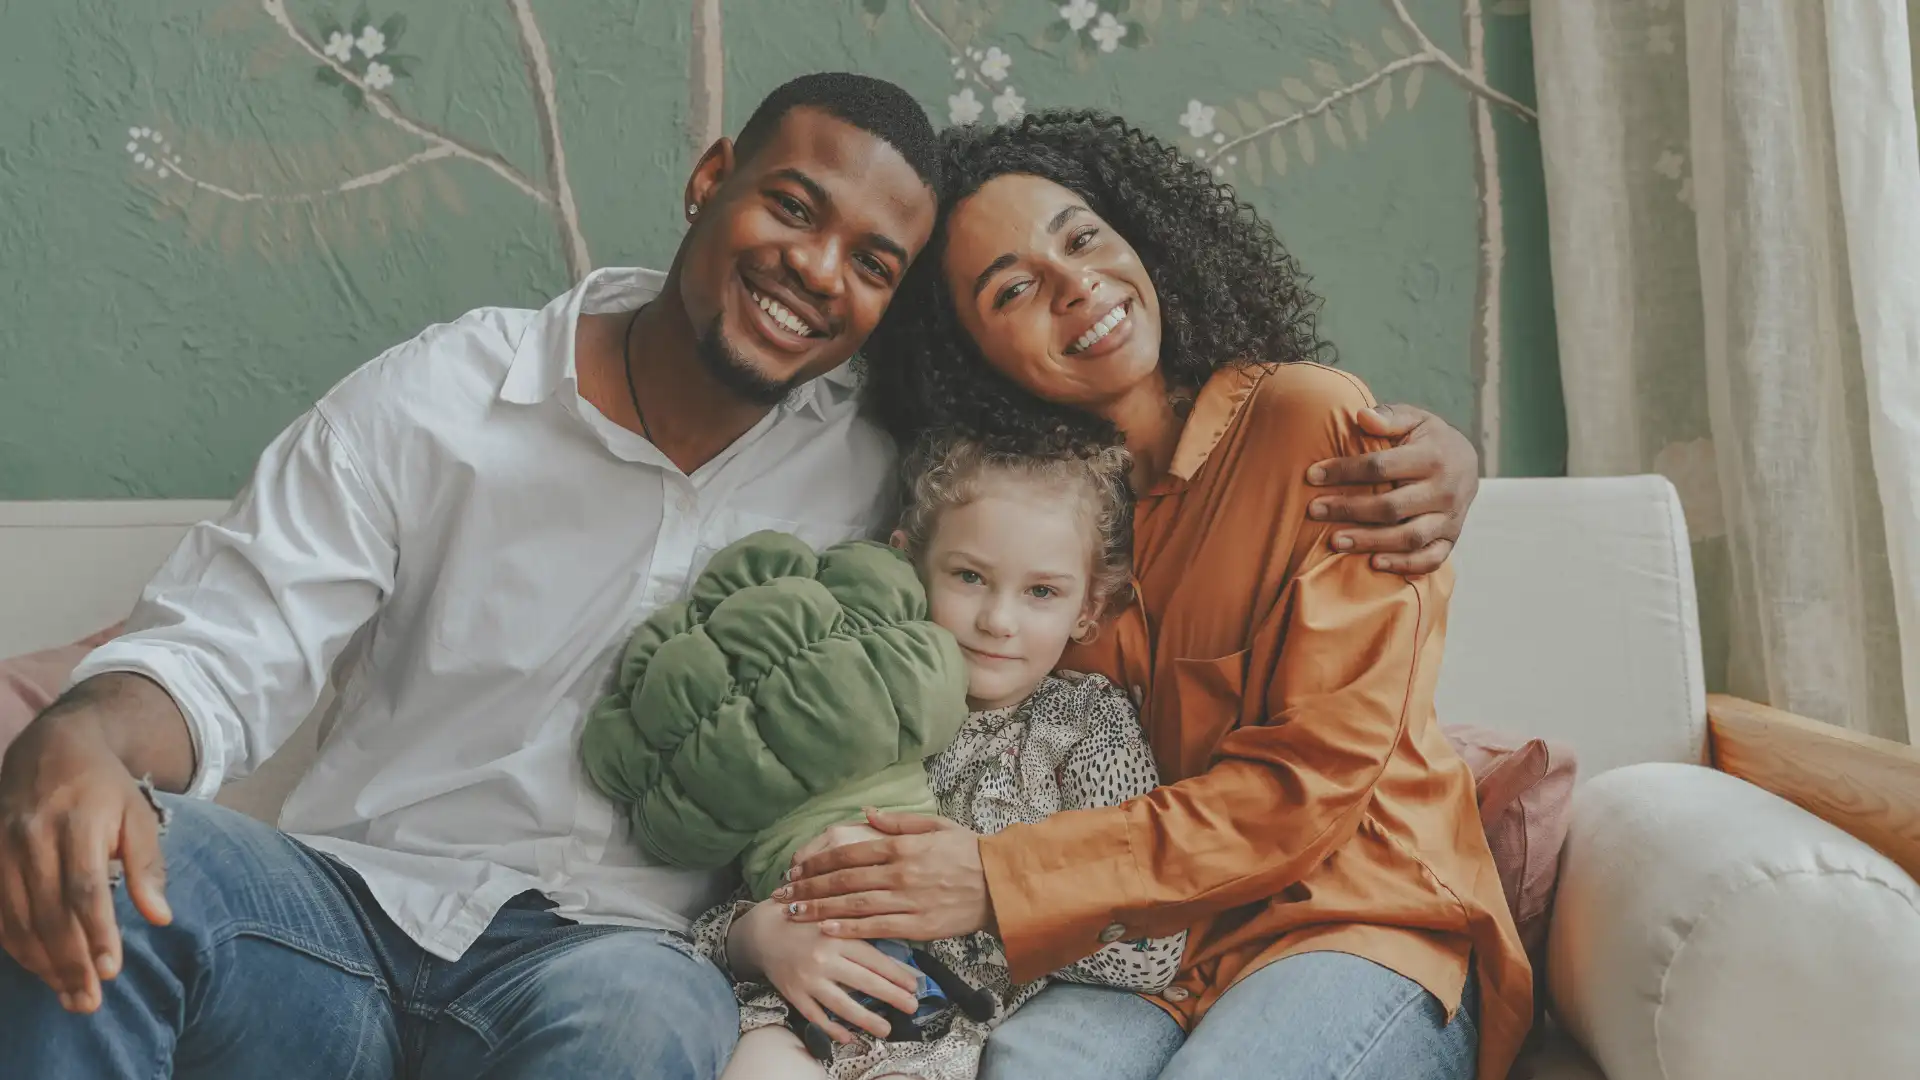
[(1114, 932), (1175, 994)]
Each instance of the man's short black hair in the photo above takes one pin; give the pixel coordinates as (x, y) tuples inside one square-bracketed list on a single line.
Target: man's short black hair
[(875, 106)]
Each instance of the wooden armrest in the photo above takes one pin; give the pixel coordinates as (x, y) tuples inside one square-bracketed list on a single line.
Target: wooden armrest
[(1868, 786)]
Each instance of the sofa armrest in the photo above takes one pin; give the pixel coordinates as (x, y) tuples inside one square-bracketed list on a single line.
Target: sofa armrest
[(1870, 787), (1707, 929)]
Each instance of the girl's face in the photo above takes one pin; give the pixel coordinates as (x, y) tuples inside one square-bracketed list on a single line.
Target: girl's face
[(1007, 574), (1055, 299)]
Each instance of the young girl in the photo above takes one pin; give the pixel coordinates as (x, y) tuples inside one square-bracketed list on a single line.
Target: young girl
[(1018, 556)]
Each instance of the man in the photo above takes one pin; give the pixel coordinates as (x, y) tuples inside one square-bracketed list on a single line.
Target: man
[(462, 533)]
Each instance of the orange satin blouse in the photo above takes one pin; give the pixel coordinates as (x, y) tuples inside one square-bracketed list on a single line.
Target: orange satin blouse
[(1311, 802)]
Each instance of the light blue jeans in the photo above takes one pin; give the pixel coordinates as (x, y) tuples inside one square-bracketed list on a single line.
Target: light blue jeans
[(1316, 1016), (279, 964)]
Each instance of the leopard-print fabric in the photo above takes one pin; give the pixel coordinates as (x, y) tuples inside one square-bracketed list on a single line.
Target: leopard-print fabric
[(1074, 743)]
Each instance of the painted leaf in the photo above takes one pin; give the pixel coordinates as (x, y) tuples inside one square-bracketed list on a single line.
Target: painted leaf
[(329, 77), (875, 7), (328, 27), (1336, 131), (400, 65), (1277, 154), (1357, 116), (1249, 115), (354, 97), (1150, 10), (1228, 124), (1188, 9), (448, 191), (1411, 91), (393, 28), (1383, 99), (1299, 91), (1327, 74), (1256, 170), (361, 18), (1274, 103), (1055, 32), (1363, 56), (1511, 7), (1392, 40), (1304, 136), (1136, 36)]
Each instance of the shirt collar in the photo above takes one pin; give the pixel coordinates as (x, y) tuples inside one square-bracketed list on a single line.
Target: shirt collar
[(1219, 404), (544, 360)]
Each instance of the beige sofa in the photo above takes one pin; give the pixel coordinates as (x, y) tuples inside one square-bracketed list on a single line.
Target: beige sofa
[(1706, 927)]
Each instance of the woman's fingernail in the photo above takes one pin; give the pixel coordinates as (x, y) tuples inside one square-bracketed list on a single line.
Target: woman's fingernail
[(1383, 563), (1316, 475), (797, 908), (783, 892), (1317, 511), (105, 965), (793, 872), (830, 927), (1342, 543)]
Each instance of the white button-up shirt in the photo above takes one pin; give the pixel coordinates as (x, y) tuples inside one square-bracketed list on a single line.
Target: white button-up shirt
[(473, 543)]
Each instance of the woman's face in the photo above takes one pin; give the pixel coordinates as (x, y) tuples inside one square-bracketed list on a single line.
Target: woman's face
[(1055, 299)]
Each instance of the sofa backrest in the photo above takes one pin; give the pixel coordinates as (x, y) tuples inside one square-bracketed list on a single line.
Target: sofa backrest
[(1573, 615), (1574, 619)]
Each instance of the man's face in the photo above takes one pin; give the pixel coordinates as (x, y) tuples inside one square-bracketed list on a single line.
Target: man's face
[(796, 252)]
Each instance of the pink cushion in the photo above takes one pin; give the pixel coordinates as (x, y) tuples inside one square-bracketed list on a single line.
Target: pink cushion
[(1525, 791), (29, 683)]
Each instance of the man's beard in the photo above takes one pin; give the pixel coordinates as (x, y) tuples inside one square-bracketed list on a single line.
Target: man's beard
[(732, 371)]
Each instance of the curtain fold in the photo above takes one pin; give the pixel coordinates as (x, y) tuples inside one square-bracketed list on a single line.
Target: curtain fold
[(1733, 193)]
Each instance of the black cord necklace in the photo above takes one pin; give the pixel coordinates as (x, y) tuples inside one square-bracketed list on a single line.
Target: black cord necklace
[(626, 361)]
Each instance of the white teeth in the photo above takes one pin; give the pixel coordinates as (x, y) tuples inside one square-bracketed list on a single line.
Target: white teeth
[(1100, 329), (782, 315)]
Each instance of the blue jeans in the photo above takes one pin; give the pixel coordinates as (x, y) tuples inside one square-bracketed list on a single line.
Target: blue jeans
[(279, 964), (1315, 1016)]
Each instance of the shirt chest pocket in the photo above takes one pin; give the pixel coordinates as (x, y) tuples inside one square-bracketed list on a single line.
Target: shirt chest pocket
[(1209, 700)]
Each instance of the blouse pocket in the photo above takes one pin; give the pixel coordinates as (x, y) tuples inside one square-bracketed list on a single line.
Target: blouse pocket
[(1209, 701)]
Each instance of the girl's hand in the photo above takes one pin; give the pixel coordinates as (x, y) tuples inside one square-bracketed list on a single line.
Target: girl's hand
[(814, 972), (923, 882)]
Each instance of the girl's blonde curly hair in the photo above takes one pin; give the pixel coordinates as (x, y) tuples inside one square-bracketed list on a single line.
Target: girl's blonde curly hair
[(944, 470)]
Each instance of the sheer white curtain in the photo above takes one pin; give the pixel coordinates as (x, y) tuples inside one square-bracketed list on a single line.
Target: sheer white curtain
[(1733, 193)]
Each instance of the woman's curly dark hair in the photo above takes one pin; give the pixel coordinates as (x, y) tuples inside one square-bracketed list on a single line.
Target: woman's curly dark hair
[(1229, 292)]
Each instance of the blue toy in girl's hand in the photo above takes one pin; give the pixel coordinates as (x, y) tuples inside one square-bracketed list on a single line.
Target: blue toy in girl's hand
[(939, 990)]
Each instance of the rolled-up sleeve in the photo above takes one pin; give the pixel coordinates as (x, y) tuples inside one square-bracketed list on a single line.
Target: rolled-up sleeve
[(242, 624)]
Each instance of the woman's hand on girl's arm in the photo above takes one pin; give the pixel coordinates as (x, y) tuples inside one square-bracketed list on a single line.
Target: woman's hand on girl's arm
[(814, 972), (922, 882), (1435, 474)]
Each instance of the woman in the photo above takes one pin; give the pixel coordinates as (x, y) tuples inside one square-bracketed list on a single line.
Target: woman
[(1317, 837)]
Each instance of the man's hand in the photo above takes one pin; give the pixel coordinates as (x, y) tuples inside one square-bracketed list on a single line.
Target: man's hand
[(814, 972), (1435, 474), (923, 882), (68, 805)]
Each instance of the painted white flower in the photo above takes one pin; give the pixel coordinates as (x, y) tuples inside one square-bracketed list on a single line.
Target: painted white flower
[(1008, 106), (1078, 13), (379, 76), (1660, 38), (1670, 164), (372, 42), (1685, 194), (1108, 32), (339, 46), (963, 107), (995, 66), (1219, 137), (1233, 159), (134, 133), (133, 148), (1198, 119)]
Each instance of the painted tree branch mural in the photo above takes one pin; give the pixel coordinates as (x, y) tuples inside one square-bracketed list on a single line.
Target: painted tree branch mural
[(358, 60)]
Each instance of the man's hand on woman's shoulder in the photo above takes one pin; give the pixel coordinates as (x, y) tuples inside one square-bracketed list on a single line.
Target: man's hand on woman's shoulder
[(1435, 474)]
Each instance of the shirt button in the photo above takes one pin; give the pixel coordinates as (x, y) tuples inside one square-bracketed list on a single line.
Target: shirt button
[(1114, 932), (1175, 994)]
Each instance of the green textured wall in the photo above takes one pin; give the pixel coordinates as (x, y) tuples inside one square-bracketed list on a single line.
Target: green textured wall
[(208, 220)]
